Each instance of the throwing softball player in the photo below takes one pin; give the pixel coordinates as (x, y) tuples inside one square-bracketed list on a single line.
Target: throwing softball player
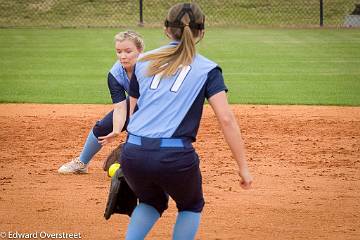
[(128, 46), (169, 87)]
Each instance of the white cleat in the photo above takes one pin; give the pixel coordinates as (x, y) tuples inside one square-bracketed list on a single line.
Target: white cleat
[(74, 166)]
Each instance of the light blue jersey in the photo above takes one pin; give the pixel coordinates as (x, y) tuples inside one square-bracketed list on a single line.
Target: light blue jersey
[(164, 103), (119, 73)]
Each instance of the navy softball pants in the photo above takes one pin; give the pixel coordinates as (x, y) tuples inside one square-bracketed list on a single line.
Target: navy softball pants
[(154, 173)]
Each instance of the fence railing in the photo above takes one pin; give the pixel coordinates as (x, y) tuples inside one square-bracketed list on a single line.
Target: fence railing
[(124, 13)]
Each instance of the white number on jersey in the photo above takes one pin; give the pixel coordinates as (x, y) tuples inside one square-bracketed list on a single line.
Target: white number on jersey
[(178, 81)]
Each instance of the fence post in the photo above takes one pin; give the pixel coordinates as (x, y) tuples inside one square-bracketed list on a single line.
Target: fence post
[(141, 23), (321, 13)]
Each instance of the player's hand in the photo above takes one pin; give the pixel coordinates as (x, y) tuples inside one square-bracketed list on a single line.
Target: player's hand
[(103, 140), (245, 178)]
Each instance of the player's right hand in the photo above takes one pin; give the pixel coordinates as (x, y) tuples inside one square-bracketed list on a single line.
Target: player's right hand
[(103, 140), (245, 179)]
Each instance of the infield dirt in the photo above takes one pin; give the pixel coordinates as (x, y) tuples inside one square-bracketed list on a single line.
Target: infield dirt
[(305, 162)]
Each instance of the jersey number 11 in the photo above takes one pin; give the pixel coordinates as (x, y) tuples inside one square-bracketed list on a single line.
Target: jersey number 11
[(177, 83)]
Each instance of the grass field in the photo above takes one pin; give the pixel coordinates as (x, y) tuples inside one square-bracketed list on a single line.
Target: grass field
[(260, 66)]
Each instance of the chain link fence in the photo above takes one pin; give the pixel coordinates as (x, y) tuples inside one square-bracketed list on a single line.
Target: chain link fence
[(126, 13)]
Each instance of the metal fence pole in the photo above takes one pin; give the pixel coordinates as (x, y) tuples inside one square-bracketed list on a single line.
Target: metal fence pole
[(141, 23), (321, 13)]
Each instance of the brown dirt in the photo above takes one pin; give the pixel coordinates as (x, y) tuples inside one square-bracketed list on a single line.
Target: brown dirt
[(305, 161)]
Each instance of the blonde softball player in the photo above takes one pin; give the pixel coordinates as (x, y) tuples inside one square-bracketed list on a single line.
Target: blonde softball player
[(128, 46)]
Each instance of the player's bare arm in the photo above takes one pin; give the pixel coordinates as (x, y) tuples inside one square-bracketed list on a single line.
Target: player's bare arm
[(119, 118), (133, 102), (232, 135)]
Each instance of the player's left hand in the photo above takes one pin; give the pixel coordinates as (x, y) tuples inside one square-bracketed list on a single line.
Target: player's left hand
[(246, 179), (103, 140)]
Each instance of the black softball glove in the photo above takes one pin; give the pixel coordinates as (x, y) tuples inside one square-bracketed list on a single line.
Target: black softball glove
[(121, 199), (113, 157)]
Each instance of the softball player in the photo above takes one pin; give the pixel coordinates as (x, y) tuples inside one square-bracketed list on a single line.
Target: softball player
[(128, 46), (169, 87)]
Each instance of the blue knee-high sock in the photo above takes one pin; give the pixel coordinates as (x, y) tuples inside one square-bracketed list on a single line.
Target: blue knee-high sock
[(142, 220), (91, 147), (186, 226)]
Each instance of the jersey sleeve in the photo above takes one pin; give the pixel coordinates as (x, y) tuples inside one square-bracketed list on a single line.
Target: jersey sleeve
[(117, 91), (134, 87), (215, 83)]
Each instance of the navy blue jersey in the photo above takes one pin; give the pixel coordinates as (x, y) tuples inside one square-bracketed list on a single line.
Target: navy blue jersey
[(118, 83), (172, 106)]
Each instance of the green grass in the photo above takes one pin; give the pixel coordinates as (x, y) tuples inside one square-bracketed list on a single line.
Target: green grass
[(260, 66)]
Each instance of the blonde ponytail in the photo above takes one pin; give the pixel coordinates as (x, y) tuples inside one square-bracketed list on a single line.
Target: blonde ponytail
[(168, 60)]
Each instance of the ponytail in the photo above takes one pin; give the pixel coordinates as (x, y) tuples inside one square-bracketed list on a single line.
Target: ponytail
[(185, 28)]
